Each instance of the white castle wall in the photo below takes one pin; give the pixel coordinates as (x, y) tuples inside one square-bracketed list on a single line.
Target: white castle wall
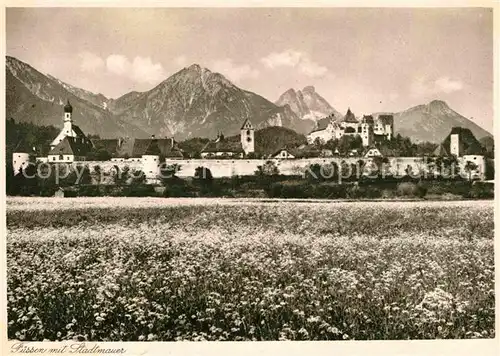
[(228, 167)]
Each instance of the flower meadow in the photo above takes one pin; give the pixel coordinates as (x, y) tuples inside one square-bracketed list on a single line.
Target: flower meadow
[(166, 269)]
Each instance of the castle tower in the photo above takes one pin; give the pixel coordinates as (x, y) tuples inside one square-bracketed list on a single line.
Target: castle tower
[(68, 121), (367, 130), (151, 161), (247, 137)]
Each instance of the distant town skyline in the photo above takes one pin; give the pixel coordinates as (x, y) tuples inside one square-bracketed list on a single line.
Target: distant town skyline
[(371, 60)]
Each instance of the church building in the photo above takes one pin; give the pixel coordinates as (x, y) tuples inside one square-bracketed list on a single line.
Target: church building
[(71, 144), (223, 147)]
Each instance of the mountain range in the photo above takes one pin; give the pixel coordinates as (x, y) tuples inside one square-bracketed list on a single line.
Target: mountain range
[(196, 102)]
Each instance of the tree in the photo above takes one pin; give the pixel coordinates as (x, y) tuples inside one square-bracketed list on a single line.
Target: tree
[(268, 169), (137, 177), (317, 172), (99, 154), (348, 143), (469, 168), (169, 171), (121, 177), (97, 173), (83, 175), (332, 144), (318, 142), (203, 174)]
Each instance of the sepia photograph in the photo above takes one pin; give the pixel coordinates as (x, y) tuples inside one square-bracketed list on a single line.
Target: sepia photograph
[(247, 174)]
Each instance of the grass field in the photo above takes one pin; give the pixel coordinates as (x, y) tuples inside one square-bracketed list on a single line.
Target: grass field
[(179, 269)]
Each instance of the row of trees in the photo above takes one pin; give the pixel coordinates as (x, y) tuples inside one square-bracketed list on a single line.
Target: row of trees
[(377, 168)]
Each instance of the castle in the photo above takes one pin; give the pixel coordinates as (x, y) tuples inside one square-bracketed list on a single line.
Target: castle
[(371, 130)]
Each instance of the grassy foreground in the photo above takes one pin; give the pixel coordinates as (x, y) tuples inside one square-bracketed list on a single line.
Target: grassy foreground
[(166, 269)]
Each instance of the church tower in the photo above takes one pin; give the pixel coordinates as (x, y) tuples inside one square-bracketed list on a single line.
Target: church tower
[(247, 137), (68, 121)]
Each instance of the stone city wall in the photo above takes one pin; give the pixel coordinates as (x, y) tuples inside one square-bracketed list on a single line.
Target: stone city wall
[(228, 167)]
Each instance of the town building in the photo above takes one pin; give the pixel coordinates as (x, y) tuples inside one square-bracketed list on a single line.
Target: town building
[(283, 153), (462, 144)]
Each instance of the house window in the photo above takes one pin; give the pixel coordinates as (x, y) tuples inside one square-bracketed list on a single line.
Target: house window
[(61, 157), (53, 158), (67, 158)]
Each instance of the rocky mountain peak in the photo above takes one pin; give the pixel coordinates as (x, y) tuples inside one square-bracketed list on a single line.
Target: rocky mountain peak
[(438, 104), (194, 67), (309, 89)]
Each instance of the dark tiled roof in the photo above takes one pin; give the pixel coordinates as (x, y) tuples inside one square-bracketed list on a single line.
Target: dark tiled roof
[(468, 144), (110, 145), (323, 124), (153, 149), (223, 146), (282, 149), (70, 146), (367, 119), (246, 125), (135, 148), (318, 129), (441, 151), (23, 147), (386, 119), (78, 131), (349, 117)]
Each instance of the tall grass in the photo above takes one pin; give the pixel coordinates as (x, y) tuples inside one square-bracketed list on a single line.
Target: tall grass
[(251, 271)]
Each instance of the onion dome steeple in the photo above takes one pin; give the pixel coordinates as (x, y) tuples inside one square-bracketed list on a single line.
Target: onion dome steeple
[(68, 108)]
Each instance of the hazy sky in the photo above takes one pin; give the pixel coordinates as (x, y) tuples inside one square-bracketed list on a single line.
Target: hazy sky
[(367, 59)]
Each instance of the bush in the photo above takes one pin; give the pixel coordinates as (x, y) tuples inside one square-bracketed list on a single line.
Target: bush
[(421, 189), (139, 191), (482, 190), (407, 189)]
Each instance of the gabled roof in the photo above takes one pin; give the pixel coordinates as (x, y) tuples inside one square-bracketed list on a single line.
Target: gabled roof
[(223, 145), (322, 125), (135, 148), (110, 145), (23, 147), (441, 151), (246, 125), (78, 131), (317, 130), (468, 144), (153, 149), (282, 149), (70, 146)]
